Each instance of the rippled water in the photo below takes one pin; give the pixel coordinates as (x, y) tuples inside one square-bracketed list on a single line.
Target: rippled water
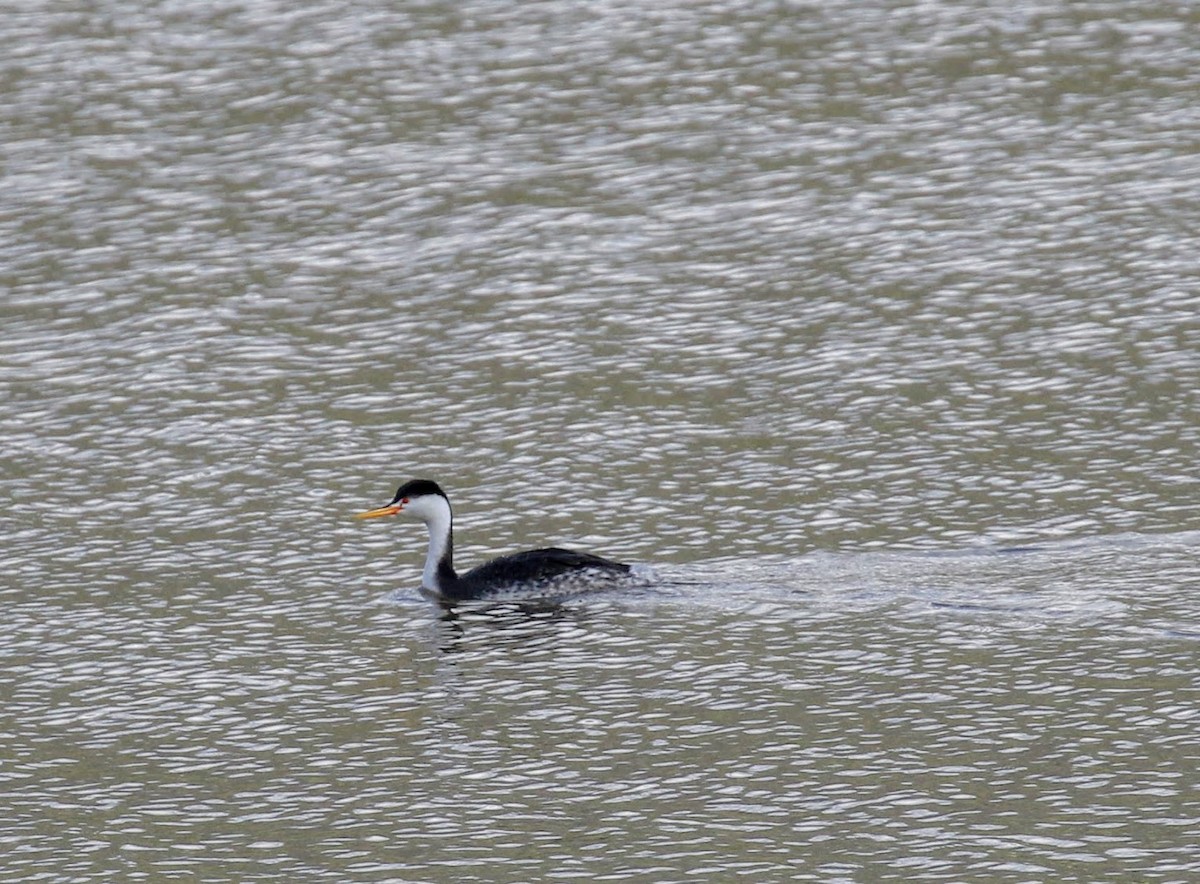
[(874, 330)]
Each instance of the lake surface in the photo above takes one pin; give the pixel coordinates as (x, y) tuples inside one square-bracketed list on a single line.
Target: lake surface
[(874, 331)]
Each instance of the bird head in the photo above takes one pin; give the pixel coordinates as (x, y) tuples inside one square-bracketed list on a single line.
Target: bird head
[(420, 499)]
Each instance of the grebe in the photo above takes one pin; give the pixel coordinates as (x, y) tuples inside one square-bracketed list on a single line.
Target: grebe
[(536, 570)]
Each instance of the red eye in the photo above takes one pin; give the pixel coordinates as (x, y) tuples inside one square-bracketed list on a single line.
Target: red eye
[(405, 500)]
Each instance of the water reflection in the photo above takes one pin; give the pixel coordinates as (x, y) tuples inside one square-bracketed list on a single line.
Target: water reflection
[(506, 623)]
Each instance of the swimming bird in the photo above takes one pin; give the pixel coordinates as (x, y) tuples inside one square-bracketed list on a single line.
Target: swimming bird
[(535, 571)]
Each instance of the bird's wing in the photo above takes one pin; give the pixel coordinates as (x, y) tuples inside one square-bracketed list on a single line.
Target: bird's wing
[(537, 565)]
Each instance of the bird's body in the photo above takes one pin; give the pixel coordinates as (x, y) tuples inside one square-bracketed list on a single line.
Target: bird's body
[(536, 571)]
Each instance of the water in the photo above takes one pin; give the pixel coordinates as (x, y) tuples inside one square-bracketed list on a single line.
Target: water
[(872, 330)]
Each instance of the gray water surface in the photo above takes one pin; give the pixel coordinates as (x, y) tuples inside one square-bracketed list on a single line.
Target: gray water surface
[(874, 331)]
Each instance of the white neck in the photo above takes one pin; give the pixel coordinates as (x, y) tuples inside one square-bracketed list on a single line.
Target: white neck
[(437, 518)]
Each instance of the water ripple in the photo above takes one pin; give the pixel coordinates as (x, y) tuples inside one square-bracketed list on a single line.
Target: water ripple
[(819, 311)]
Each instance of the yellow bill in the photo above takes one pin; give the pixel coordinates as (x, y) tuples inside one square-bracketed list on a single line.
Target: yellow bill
[(389, 510)]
